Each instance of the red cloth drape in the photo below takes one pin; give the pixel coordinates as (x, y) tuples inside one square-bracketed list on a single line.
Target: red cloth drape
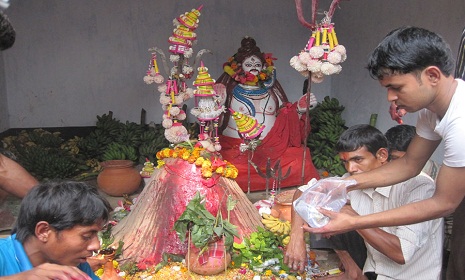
[(282, 142)]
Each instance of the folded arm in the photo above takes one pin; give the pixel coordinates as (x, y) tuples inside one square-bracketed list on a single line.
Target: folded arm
[(386, 243)]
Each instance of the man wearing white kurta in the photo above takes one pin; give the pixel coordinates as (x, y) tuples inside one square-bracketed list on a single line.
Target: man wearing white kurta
[(400, 252)]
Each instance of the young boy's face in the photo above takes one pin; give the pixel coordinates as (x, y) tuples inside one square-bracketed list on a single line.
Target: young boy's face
[(360, 160), (72, 246)]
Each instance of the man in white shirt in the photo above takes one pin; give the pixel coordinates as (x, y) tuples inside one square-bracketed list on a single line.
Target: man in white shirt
[(404, 252), (416, 65)]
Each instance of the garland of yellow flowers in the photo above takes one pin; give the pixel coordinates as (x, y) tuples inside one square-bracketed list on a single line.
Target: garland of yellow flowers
[(194, 156), (234, 69)]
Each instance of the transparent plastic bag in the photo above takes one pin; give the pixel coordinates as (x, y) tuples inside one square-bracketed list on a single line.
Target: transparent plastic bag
[(329, 193)]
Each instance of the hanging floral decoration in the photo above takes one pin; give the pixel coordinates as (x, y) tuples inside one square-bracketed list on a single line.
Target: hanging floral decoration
[(323, 54), (234, 69), (174, 92), (207, 110)]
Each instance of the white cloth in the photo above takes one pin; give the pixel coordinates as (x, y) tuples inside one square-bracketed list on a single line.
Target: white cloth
[(421, 243), (451, 128)]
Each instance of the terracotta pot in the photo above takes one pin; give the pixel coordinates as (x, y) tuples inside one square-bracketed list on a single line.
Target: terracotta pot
[(109, 272), (99, 260), (283, 204), (213, 265), (96, 262), (118, 177)]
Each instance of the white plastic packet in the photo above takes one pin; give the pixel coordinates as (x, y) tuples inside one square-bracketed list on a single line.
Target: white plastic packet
[(329, 193)]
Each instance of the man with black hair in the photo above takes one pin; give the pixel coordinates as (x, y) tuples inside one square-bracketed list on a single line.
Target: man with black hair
[(405, 252), (416, 67), (55, 233)]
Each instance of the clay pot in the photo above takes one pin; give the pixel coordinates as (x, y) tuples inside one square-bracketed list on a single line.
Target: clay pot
[(214, 265), (118, 177), (283, 204), (109, 272), (101, 259)]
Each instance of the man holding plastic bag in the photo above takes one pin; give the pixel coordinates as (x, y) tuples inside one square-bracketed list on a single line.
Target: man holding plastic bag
[(405, 252)]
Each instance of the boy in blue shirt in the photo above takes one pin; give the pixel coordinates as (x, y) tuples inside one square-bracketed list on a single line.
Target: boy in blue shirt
[(55, 233)]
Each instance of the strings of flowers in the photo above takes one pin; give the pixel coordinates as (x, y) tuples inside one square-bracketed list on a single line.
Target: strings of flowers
[(196, 155), (174, 92), (322, 55)]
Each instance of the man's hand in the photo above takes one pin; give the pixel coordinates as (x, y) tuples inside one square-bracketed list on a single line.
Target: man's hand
[(48, 271), (340, 222), (295, 255)]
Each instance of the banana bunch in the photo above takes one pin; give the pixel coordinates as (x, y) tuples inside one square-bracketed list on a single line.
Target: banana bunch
[(149, 151), (275, 225), (72, 145), (130, 134), (108, 124), (148, 136), (119, 151), (332, 104), (45, 138), (327, 125), (93, 145), (152, 141), (46, 163), (286, 240)]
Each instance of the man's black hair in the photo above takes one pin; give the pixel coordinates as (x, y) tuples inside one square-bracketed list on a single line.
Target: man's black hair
[(362, 135), (410, 50), (61, 204)]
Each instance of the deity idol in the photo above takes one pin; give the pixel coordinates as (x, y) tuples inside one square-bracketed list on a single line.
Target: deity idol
[(250, 87)]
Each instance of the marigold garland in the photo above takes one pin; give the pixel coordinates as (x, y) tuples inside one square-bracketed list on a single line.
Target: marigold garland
[(234, 69), (208, 165)]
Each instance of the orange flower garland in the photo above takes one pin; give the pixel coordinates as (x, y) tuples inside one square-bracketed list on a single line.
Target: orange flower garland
[(209, 166)]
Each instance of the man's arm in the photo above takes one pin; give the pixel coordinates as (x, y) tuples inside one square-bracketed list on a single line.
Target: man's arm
[(296, 254), (48, 271), (450, 191), (386, 243), (14, 178)]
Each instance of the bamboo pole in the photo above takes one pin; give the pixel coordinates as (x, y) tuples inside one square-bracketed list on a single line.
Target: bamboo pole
[(307, 125)]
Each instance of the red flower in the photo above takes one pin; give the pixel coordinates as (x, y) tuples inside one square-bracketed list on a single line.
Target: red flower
[(269, 58), (249, 76)]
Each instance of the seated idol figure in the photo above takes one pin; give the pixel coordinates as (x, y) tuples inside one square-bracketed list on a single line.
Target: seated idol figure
[(249, 86)]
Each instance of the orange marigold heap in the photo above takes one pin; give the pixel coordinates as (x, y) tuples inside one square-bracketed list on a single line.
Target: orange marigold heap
[(208, 166)]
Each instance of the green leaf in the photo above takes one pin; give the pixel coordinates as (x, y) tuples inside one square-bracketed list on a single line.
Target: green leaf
[(231, 203)]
